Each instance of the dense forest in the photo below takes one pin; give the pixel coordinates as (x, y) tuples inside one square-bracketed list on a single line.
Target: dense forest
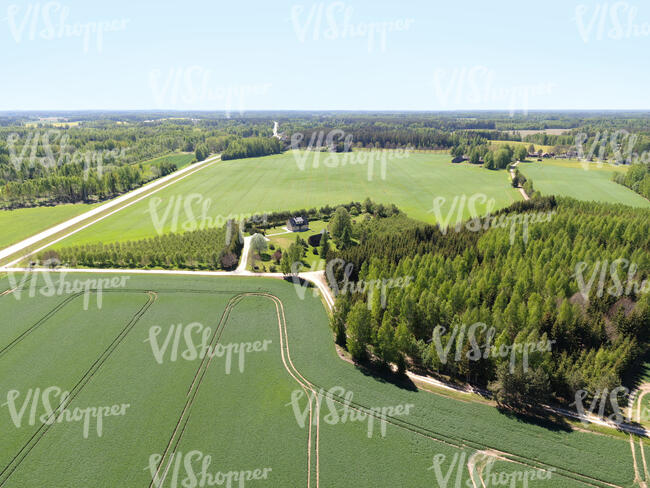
[(523, 292), (200, 249)]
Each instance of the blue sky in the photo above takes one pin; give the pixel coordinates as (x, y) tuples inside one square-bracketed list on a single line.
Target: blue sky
[(238, 56)]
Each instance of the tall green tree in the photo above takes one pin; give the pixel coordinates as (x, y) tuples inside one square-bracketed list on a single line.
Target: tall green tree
[(359, 331)]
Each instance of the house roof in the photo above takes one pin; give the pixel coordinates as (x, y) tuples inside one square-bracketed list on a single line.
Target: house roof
[(299, 220)]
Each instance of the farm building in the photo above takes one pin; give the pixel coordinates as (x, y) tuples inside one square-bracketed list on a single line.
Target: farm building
[(298, 224)]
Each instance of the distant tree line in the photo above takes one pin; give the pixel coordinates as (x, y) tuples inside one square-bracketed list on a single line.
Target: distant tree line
[(251, 147), (481, 153)]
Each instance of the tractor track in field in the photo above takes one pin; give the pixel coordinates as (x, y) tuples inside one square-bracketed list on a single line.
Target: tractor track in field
[(20, 456), (40, 322), (462, 443), (166, 460), (641, 477), (641, 481), (450, 440)]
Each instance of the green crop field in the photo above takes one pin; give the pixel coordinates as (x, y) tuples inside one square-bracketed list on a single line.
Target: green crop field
[(21, 223), (274, 183), (571, 179), (185, 406)]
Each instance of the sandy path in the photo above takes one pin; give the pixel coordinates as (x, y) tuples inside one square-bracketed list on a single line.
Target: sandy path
[(637, 475), (244, 255), (512, 177)]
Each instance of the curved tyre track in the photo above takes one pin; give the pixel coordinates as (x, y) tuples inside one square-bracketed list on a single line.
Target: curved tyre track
[(314, 414), (167, 456)]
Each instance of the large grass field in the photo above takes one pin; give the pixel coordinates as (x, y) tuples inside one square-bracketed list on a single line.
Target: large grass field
[(584, 181), (272, 183), (21, 223), (246, 414)]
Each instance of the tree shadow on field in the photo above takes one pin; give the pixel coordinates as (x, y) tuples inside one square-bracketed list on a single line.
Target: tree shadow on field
[(383, 374), (298, 281), (546, 420)]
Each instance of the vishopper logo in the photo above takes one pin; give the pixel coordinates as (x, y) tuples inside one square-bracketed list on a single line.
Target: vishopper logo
[(480, 339), (599, 402), (341, 410), (481, 471), (193, 469), (50, 21), (368, 287), (38, 400), (38, 148), (334, 148), (456, 211), (194, 341), (616, 21), (606, 272), (178, 213), (334, 21), (61, 285), (478, 86), (197, 86), (618, 144)]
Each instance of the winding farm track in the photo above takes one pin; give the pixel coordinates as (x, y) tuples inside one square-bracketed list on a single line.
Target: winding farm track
[(311, 389), (314, 416), (634, 415), (57, 233)]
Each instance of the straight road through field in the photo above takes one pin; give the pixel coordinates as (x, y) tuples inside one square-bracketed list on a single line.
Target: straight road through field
[(117, 204)]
